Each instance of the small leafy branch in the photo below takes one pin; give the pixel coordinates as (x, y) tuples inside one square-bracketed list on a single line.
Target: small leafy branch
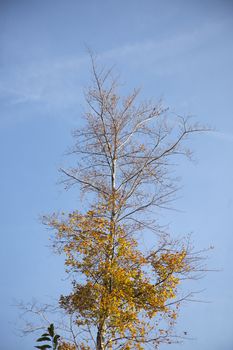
[(51, 337)]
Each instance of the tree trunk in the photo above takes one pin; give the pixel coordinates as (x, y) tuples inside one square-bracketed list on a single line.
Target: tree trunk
[(99, 339)]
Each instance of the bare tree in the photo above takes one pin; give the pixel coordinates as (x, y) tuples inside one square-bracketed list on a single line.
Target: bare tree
[(126, 149)]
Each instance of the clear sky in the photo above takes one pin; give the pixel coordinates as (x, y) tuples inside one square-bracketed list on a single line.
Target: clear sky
[(181, 51)]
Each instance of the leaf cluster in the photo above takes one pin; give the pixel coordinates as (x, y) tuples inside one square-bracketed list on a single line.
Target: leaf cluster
[(50, 337)]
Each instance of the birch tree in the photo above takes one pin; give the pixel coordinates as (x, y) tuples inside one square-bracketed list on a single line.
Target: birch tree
[(123, 296)]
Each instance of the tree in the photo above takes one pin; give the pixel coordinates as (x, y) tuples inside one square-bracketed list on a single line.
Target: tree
[(123, 297)]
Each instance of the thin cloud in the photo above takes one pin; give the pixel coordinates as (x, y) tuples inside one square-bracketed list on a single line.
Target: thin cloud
[(48, 82), (158, 51), (57, 80)]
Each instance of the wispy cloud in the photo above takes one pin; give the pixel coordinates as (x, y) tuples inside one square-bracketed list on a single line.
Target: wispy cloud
[(53, 81), (56, 81), (18, 96), (173, 48)]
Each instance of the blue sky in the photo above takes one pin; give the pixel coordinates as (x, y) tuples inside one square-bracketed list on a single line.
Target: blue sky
[(181, 51)]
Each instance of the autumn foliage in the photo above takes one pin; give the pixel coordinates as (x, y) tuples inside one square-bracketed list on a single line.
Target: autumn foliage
[(124, 291)]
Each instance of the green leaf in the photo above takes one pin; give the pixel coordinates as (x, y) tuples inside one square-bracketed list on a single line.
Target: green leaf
[(55, 339), (51, 330), (45, 335), (42, 347), (44, 338)]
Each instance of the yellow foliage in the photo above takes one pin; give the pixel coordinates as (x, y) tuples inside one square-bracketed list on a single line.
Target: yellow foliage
[(122, 287), (66, 346)]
